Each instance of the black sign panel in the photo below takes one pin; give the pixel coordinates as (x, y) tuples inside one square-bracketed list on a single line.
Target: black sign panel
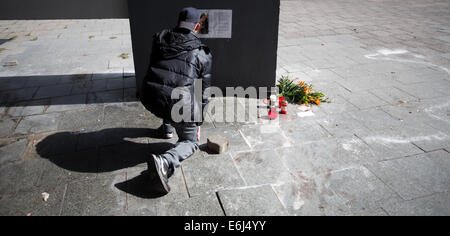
[(242, 35)]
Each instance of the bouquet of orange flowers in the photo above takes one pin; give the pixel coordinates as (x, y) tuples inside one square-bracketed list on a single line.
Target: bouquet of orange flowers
[(300, 92)]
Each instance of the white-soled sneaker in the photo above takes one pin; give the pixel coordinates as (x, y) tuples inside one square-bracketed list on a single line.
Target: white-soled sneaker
[(162, 168)]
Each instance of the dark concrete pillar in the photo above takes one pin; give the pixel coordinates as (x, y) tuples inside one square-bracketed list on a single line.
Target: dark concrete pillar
[(246, 59)]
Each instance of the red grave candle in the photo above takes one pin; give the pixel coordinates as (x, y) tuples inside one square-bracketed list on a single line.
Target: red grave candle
[(280, 100)]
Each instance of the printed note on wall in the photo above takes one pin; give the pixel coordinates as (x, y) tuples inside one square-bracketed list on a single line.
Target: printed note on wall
[(216, 23)]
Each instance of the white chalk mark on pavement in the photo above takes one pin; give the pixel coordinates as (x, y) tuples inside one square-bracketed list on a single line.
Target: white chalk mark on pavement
[(400, 140), (386, 54)]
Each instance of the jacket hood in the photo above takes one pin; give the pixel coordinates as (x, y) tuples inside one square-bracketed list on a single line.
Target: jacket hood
[(172, 44)]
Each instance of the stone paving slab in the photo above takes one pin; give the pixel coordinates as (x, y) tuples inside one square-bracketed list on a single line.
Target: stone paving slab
[(39, 81), (13, 83), (415, 176), (423, 90), (89, 86), (34, 107), (110, 96), (19, 95), (38, 123), (262, 137), (295, 131), (205, 205), (308, 198), (375, 119), (20, 177), (250, 164), (67, 103), (16, 109), (74, 79), (249, 201), (53, 91), (409, 112), (31, 202), (424, 136), (12, 152), (89, 119), (361, 191), (435, 205), (323, 156), (337, 106), (208, 174), (341, 125), (365, 100), (95, 197), (336, 193), (6, 126), (388, 144), (131, 114)]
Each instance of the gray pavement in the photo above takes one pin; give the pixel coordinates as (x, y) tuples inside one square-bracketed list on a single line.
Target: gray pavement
[(70, 124)]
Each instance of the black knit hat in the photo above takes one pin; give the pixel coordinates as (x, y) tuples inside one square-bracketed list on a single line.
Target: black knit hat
[(188, 18)]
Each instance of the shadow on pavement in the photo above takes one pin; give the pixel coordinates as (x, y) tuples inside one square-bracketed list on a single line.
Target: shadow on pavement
[(145, 185), (106, 151), (2, 41), (67, 89)]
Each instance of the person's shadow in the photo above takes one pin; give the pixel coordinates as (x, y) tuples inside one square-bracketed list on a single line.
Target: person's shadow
[(105, 151)]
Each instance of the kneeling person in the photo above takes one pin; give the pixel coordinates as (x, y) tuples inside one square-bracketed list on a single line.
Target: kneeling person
[(178, 59)]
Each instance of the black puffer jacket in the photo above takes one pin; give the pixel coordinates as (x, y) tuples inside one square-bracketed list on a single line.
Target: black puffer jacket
[(178, 59)]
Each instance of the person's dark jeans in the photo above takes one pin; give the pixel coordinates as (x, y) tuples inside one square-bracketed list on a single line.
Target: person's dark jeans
[(186, 145)]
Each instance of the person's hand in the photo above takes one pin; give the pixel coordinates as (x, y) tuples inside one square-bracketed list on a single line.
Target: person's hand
[(198, 133)]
